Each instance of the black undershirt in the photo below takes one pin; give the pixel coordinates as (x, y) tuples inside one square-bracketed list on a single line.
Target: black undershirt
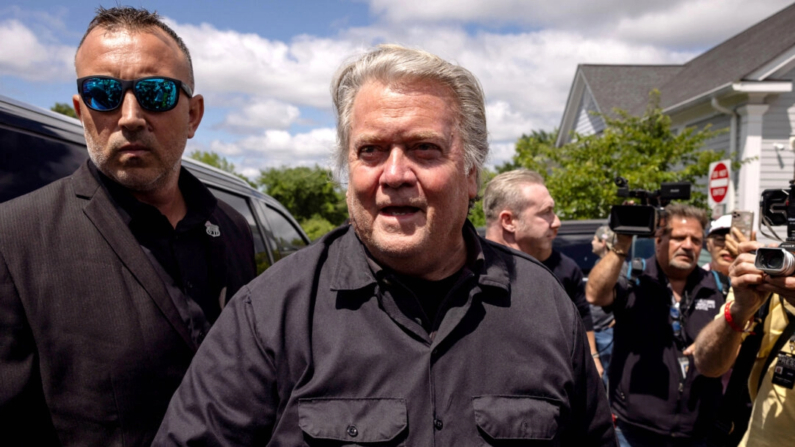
[(430, 294)]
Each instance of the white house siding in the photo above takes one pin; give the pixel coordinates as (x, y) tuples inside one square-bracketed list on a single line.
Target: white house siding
[(778, 164), (587, 123), (719, 143)]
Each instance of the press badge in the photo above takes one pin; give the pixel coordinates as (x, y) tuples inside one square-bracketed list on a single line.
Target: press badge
[(784, 372)]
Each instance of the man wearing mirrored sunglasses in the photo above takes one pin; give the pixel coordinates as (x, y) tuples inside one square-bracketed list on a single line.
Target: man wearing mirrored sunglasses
[(110, 278)]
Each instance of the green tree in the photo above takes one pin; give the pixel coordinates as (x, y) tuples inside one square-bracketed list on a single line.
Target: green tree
[(316, 226), (645, 150), (309, 194), (64, 109), (217, 161)]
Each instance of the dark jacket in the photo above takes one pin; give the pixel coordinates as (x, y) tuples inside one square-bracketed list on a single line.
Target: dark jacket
[(91, 345), (570, 276), (650, 391), (320, 351)]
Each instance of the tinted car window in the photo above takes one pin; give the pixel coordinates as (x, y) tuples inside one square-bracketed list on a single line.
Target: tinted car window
[(34, 162), (578, 248), (241, 205), (284, 239)]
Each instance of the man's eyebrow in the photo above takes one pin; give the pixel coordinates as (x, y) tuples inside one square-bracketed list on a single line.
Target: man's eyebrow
[(372, 138), (425, 135)]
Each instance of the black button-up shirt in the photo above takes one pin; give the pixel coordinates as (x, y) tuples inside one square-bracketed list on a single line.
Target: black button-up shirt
[(186, 252), (321, 349)]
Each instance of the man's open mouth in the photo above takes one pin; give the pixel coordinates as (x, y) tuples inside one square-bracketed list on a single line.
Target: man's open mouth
[(399, 210)]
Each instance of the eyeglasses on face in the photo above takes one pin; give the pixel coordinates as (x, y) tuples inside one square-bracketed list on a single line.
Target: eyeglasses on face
[(155, 94)]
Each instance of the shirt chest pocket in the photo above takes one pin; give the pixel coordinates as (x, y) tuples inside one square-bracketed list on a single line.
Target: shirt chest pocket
[(514, 420), (347, 422)]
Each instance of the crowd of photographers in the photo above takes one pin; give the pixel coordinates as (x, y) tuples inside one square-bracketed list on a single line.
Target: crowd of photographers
[(667, 331)]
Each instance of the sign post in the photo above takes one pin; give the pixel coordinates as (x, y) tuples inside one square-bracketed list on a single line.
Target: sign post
[(719, 188)]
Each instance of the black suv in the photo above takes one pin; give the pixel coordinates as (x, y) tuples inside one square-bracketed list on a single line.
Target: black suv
[(38, 146)]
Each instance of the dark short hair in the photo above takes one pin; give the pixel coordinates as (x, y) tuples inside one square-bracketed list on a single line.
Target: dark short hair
[(135, 19), (683, 210)]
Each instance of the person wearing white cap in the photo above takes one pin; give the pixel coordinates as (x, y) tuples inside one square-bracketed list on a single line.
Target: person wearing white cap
[(722, 258)]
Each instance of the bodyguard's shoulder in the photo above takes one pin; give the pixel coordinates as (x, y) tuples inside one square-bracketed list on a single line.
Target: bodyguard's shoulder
[(516, 260), (36, 206)]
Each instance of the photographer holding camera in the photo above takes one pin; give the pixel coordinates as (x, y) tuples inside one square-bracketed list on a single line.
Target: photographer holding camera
[(660, 306), (761, 316)]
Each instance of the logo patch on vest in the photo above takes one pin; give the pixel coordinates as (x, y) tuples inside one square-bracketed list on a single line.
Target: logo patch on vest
[(212, 229), (703, 304)]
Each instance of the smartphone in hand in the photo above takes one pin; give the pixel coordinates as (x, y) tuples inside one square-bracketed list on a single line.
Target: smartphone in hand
[(743, 221)]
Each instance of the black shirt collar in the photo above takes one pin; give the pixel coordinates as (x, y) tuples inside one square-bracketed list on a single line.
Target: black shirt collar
[(356, 269), (199, 200)]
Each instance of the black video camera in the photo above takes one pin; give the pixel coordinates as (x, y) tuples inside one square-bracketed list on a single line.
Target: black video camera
[(644, 219), (775, 209)]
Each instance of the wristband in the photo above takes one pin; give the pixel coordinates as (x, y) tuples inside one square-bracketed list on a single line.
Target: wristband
[(620, 253), (730, 321), (595, 355)]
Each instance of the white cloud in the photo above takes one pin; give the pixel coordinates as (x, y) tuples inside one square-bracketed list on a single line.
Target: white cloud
[(505, 123), (695, 23), (278, 148), (297, 72), (687, 23), (261, 114), (24, 56), (499, 153)]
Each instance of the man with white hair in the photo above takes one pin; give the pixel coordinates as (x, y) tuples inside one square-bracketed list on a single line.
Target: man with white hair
[(404, 328)]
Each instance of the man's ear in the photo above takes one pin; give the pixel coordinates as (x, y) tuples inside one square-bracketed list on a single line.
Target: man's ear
[(195, 114), (76, 105), (507, 221)]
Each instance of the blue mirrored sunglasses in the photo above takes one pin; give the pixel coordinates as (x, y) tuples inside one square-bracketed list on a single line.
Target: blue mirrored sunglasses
[(155, 94)]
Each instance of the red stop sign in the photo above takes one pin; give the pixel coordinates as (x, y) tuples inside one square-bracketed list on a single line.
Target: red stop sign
[(719, 183)]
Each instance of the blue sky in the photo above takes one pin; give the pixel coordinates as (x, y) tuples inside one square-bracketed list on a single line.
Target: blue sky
[(264, 67)]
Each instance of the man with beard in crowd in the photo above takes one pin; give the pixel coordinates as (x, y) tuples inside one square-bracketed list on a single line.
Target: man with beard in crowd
[(660, 305)]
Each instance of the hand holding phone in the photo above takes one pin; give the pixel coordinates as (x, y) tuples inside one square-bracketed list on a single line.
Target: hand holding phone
[(743, 221)]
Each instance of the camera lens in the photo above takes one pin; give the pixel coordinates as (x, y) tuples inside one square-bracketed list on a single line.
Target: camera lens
[(775, 261)]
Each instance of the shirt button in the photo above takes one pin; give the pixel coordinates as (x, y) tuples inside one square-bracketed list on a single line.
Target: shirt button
[(437, 423), (352, 431)]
